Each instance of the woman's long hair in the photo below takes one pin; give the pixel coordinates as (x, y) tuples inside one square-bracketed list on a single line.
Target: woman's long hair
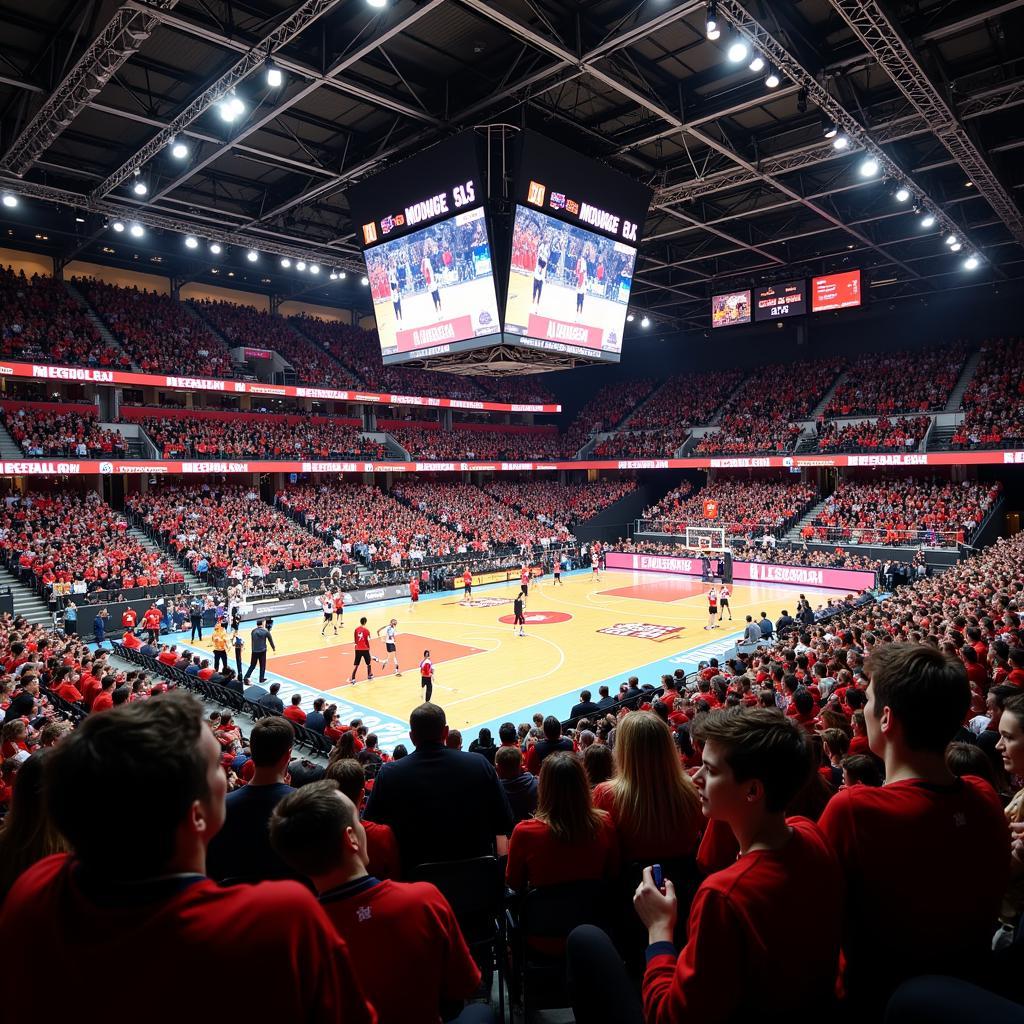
[(28, 833), (563, 799), (651, 794)]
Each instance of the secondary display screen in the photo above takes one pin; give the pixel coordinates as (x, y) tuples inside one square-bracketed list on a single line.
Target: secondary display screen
[(835, 291), (777, 301), (567, 285), (423, 228), (730, 308)]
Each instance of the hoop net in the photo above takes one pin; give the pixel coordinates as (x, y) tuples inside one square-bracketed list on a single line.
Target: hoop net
[(706, 539)]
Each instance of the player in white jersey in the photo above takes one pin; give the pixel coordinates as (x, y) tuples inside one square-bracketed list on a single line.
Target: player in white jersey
[(723, 601), (540, 270), (595, 565), (327, 604), (396, 291), (712, 608), (390, 645)]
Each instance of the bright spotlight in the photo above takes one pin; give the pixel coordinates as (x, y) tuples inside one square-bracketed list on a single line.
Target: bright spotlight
[(363, 281), (645, 322), (286, 263), (927, 221), (118, 226), (956, 246), (711, 27), (334, 275), (342, 275), (191, 242), (971, 263), (772, 79), (11, 201), (301, 265), (738, 51), (227, 111), (252, 255), (136, 231), (902, 195), (275, 78), (757, 63), (237, 106), (179, 150), (840, 142), (630, 318), (140, 188), (831, 129), (378, 4), (869, 168), (950, 239), (314, 268), (215, 248)]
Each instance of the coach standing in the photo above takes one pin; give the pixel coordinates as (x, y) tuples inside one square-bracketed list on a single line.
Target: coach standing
[(258, 639)]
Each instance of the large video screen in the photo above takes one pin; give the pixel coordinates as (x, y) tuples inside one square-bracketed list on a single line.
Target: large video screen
[(433, 287), (778, 301), (423, 229), (567, 285), (730, 308), (835, 291)]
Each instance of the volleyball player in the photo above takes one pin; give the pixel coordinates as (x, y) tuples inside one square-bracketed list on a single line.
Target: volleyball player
[(396, 292), (540, 269), (362, 641), (467, 585), (339, 609), (556, 569), (519, 617), (414, 591), (327, 604), (595, 564), (581, 282), (427, 677), (390, 645), (712, 608), (723, 601), (430, 278), (524, 580)]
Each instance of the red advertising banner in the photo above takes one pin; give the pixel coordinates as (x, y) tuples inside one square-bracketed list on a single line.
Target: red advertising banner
[(835, 291), (79, 467), (549, 329), (456, 328), (88, 375), (850, 580), (257, 353)]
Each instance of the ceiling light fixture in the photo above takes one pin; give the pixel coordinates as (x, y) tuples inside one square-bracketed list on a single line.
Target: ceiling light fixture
[(136, 231), (191, 242), (738, 51), (772, 78)]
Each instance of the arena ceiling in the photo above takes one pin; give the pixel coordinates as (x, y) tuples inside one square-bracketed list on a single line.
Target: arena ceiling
[(747, 187)]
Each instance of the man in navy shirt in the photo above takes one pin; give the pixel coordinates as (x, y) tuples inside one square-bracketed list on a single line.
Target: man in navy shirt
[(242, 847), (315, 719)]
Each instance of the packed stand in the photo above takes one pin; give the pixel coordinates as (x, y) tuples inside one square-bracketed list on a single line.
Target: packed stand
[(883, 383), (39, 320), (76, 544), (903, 510), (744, 509), (43, 432), (762, 416), (993, 404), (642, 444), (228, 531), (255, 328), (903, 434), (479, 444), (528, 389), (269, 437), (364, 523), (692, 398), (552, 503), (484, 522), (156, 332)]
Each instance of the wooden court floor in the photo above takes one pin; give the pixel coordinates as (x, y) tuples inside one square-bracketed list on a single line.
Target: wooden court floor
[(580, 634)]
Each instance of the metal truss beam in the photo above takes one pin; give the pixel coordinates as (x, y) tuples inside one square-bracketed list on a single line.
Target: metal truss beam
[(884, 41), (339, 67), (294, 25), (120, 38)]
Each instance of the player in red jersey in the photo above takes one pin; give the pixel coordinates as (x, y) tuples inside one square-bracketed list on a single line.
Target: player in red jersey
[(339, 608), (712, 608), (427, 677), (414, 591), (362, 640), (524, 581), (467, 585)]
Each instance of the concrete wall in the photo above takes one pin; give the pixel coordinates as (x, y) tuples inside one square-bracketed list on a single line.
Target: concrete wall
[(194, 290), (118, 277), (29, 262)]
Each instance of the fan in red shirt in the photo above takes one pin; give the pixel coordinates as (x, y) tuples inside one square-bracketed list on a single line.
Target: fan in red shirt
[(151, 621), (138, 793), (362, 642), (414, 591), (770, 898), (128, 618), (381, 845), (317, 831), (900, 846), (294, 712)]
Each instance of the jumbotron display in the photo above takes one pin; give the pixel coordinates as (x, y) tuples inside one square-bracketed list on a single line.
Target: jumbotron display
[(835, 291), (778, 301), (568, 284), (424, 233), (730, 308)]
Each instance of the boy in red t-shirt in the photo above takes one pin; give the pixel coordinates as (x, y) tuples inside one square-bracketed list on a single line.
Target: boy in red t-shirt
[(362, 641), (751, 915), (317, 831), (903, 846)]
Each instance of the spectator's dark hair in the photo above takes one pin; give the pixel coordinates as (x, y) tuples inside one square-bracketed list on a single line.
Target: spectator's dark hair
[(552, 728), (856, 699), (399, 752), (760, 744), (925, 690), (969, 759), (271, 739), (508, 762), (864, 769), (308, 827), (350, 777), (427, 724), (122, 783), (803, 699), (507, 732)]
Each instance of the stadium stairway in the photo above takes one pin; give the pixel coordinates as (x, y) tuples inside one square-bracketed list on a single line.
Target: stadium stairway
[(192, 581), (793, 534), (95, 318), (26, 601), (238, 369), (8, 446), (938, 438), (963, 382), (820, 408), (716, 417), (327, 352)]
